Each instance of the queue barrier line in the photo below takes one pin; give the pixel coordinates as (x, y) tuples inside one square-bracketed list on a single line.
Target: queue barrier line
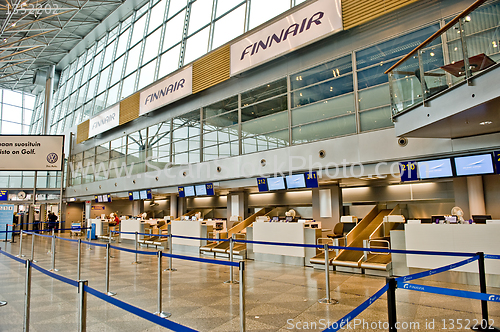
[(63, 239), (143, 252), (202, 260), (341, 323), (20, 260), (200, 238), (450, 292), (492, 256), (55, 276), (94, 244), (138, 311), (437, 270)]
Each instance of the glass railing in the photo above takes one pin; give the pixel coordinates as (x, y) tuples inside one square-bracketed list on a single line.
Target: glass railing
[(464, 47)]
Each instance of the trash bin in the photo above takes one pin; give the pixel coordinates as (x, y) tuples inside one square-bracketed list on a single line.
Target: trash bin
[(91, 232)]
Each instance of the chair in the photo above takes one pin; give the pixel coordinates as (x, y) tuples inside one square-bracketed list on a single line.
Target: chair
[(338, 231)]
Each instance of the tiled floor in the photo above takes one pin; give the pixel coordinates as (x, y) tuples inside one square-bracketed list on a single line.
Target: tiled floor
[(278, 297)]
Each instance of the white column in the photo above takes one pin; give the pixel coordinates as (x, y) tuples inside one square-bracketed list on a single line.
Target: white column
[(173, 205), (476, 195)]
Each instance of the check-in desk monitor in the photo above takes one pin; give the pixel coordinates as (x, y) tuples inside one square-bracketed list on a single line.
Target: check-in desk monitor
[(481, 219)]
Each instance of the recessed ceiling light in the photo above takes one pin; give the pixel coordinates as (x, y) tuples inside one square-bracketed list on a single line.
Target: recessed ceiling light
[(484, 123)]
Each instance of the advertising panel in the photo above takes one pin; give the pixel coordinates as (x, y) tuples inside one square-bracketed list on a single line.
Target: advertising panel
[(104, 121)]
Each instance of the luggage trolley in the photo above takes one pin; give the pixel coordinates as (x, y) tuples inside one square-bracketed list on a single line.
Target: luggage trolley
[(76, 228)]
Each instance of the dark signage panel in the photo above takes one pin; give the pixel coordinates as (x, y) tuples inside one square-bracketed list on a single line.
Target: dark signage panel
[(408, 171), (210, 189), (181, 191), (311, 180), (130, 196), (4, 195), (262, 184), (496, 159)]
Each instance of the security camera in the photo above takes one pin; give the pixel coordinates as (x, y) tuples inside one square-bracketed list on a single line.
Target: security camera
[(402, 141), (322, 153)]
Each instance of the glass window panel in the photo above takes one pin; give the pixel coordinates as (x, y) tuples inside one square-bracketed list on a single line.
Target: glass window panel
[(173, 30), (117, 70), (201, 12), (394, 48), (142, 10), (86, 71), (322, 72), (151, 47), (122, 43), (225, 5), (128, 85), (263, 10), (81, 61), (91, 89), (97, 63), (90, 52), (82, 94), (133, 59), (266, 124), (147, 74), (71, 105), (29, 101), (12, 113), (374, 75), (229, 27), (375, 97), (100, 44), (265, 142), (221, 107), (87, 111), (99, 103), (157, 14), (126, 23), (78, 76), (324, 110), (376, 118), (180, 159), (196, 46), (138, 30), (113, 95), (324, 129), (78, 114), (169, 61), (11, 128), (175, 6), (265, 108), (335, 87), (263, 92), (113, 33), (103, 80), (27, 116), (108, 55)]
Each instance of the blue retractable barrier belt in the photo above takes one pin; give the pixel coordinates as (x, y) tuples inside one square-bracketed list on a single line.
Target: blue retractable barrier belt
[(55, 276), (13, 257), (203, 260), (94, 244), (200, 238), (492, 256), (438, 270), (285, 244), (341, 323), (139, 312), (134, 251), (70, 240), (450, 292)]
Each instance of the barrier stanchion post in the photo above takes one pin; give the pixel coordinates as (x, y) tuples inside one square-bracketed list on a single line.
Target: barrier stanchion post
[(242, 297), (159, 312), (27, 297), (53, 253), (79, 260), (20, 244), (327, 299), (2, 303), (33, 247), (12, 235), (6, 232), (485, 322), (136, 248), (170, 249), (52, 244), (107, 271), (231, 248), (111, 256), (391, 303), (82, 310)]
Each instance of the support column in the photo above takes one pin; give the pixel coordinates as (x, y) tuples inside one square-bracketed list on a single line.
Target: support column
[(137, 207), (327, 205), (181, 206), (47, 105), (88, 208), (461, 194), (237, 205), (173, 205), (476, 195)]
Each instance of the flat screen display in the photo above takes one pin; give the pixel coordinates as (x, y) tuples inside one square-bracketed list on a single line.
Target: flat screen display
[(99, 198), (472, 165), (431, 169), (143, 194), (135, 195), (277, 183), (295, 181), (189, 191), (201, 190)]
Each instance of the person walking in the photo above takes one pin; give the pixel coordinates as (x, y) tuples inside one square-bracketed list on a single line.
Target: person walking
[(52, 220)]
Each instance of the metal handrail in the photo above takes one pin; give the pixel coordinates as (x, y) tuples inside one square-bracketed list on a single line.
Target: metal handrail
[(438, 33)]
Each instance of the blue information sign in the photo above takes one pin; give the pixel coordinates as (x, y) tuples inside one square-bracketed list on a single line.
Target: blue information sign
[(408, 171), (181, 191), (496, 159), (210, 189), (6, 218), (262, 184), (4, 195), (311, 180)]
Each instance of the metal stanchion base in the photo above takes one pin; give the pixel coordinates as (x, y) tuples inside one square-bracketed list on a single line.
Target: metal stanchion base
[(136, 262), (110, 256), (2, 303), (171, 270), (34, 261), (163, 314), (111, 293), (328, 301), (231, 282), (54, 270), (21, 256)]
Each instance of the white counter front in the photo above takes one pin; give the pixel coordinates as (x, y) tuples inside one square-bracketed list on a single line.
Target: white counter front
[(187, 228), (456, 238), (133, 225)]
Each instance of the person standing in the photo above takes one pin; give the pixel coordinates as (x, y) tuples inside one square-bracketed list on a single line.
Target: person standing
[(52, 220)]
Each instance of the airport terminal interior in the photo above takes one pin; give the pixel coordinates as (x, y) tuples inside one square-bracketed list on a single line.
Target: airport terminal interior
[(234, 165)]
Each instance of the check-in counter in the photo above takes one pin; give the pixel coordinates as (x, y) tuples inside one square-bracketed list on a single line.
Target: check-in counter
[(133, 225), (188, 228), (452, 237), (101, 226), (301, 233)]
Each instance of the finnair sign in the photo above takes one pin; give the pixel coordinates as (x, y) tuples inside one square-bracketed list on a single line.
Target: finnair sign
[(104, 121), (314, 22), (167, 91)]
